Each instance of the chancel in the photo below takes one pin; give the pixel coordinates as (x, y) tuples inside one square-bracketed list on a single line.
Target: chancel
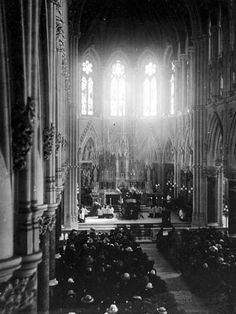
[(117, 156)]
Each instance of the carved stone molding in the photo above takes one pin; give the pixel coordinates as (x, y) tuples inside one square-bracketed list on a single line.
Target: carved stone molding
[(59, 195), (60, 33), (46, 223), (17, 294), (56, 2), (64, 143), (48, 139), (58, 142), (23, 118), (8, 266)]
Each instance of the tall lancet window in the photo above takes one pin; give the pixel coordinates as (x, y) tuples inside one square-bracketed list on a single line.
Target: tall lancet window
[(172, 90), (118, 89), (87, 107), (150, 90), (220, 34), (209, 41)]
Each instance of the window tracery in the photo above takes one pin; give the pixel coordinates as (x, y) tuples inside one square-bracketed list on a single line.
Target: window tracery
[(150, 90), (118, 92), (87, 93)]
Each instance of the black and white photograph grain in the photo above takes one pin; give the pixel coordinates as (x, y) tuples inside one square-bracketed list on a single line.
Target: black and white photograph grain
[(117, 156)]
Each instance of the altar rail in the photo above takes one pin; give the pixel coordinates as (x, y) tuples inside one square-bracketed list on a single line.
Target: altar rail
[(143, 232)]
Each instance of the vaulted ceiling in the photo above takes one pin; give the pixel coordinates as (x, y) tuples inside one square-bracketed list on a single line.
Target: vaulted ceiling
[(138, 23)]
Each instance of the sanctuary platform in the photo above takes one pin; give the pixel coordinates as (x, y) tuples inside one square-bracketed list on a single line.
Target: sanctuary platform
[(144, 229)]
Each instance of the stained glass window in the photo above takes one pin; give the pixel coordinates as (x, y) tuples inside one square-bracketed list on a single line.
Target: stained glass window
[(172, 90), (150, 90), (87, 89), (118, 89)]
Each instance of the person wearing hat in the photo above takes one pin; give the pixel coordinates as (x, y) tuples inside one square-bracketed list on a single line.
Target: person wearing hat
[(148, 291), (161, 310), (87, 299), (70, 298), (113, 309)]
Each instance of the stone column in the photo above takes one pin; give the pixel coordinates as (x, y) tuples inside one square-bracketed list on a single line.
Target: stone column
[(212, 216), (43, 276), (126, 167), (177, 86), (47, 223), (52, 208), (232, 204), (196, 194), (183, 77), (199, 134), (220, 194), (7, 261), (73, 105), (176, 174), (191, 73), (215, 80), (203, 130), (117, 170)]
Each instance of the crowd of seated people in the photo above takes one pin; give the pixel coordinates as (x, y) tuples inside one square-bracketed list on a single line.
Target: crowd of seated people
[(205, 257), (102, 268)]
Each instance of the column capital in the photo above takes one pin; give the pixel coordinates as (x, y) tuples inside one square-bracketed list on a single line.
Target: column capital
[(48, 141), (47, 221), (23, 124)]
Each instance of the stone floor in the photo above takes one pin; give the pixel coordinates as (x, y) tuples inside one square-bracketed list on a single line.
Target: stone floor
[(186, 300)]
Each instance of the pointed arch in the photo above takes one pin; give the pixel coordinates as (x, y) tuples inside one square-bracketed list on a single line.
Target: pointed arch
[(89, 153), (147, 53), (168, 54), (92, 54), (149, 81), (116, 84), (168, 152), (214, 141), (88, 69), (148, 147), (89, 135)]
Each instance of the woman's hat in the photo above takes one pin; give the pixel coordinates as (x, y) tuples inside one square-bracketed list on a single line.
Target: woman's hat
[(87, 299), (129, 249), (112, 309), (126, 276), (161, 310), (70, 280), (137, 297), (71, 292), (58, 256), (149, 285)]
